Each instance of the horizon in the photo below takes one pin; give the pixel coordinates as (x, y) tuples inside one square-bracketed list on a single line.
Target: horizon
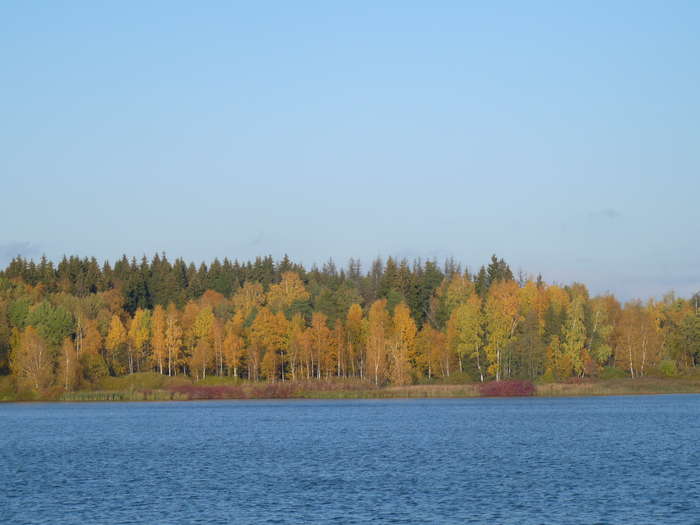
[(520, 275)]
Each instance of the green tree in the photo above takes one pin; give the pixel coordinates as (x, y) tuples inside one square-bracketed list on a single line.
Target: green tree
[(575, 335), (684, 341), (54, 323), (465, 332)]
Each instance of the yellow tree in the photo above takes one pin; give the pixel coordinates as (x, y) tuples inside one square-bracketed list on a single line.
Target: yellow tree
[(201, 340), (534, 297), (255, 350), (31, 361), (212, 299), (377, 333), (288, 291), (200, 358), (328, 354), (465, 332), (355, 333), (203, 324), (173, 339), (296, 344), (268, 334), (68, 366), (278, 341), (306, 357), (234, 344), (557, 364), (92, 358), (603, 309), (188, 317), (248, 298), (528, 296), (558, 300), (340, 349), (430, 350), (218, 336), (138, 338), (189, 338), (639, 342), (403, 337), (92, 339), (269, 365), (502, 317), (320, 342), (275, 342), (158, 339), (116, 343), (657, 342), (459, 290)]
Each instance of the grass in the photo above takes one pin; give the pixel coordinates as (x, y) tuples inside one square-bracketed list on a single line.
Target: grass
[(396, 392), (142, 381)]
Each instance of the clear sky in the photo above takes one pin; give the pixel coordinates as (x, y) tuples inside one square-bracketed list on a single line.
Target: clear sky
[(563, 136)]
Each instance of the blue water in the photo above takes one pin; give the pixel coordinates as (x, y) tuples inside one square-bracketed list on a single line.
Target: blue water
[(617, 460)]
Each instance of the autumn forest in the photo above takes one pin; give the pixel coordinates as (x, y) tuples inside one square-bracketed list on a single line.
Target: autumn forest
[(68, 326)]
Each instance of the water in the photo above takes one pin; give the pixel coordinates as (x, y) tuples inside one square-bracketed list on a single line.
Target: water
[(617, 460)]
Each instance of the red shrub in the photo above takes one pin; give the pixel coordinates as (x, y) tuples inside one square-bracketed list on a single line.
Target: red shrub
[(506, 389), (279, 390), (273, 391)]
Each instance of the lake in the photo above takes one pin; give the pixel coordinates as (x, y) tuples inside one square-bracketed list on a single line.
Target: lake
[(612, 460)]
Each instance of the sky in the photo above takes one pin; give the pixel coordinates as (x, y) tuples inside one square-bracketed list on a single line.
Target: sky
[(561, 136)]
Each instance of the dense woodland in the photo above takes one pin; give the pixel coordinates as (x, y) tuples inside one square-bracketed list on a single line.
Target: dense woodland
[(67, 326)]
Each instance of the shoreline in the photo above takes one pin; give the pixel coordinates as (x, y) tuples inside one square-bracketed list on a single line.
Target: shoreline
[(140, 391), (321, 398)]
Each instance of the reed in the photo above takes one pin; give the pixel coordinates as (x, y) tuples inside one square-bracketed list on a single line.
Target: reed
[(138, 395)]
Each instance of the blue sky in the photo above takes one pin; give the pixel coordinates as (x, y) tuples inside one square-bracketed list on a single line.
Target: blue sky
[(562, 136)]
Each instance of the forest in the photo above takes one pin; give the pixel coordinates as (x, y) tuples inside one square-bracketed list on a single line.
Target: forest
[(67, 326)]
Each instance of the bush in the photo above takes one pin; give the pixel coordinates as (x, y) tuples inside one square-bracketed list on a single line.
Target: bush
[(94, 368), (507, 389), (219, 381), (668, 368), (611, 372)]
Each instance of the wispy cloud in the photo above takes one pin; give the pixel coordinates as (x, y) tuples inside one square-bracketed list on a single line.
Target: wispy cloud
[(606, 213), (254, 241)]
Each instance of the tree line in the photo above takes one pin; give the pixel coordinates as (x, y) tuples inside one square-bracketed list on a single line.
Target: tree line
[(69, 325)]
